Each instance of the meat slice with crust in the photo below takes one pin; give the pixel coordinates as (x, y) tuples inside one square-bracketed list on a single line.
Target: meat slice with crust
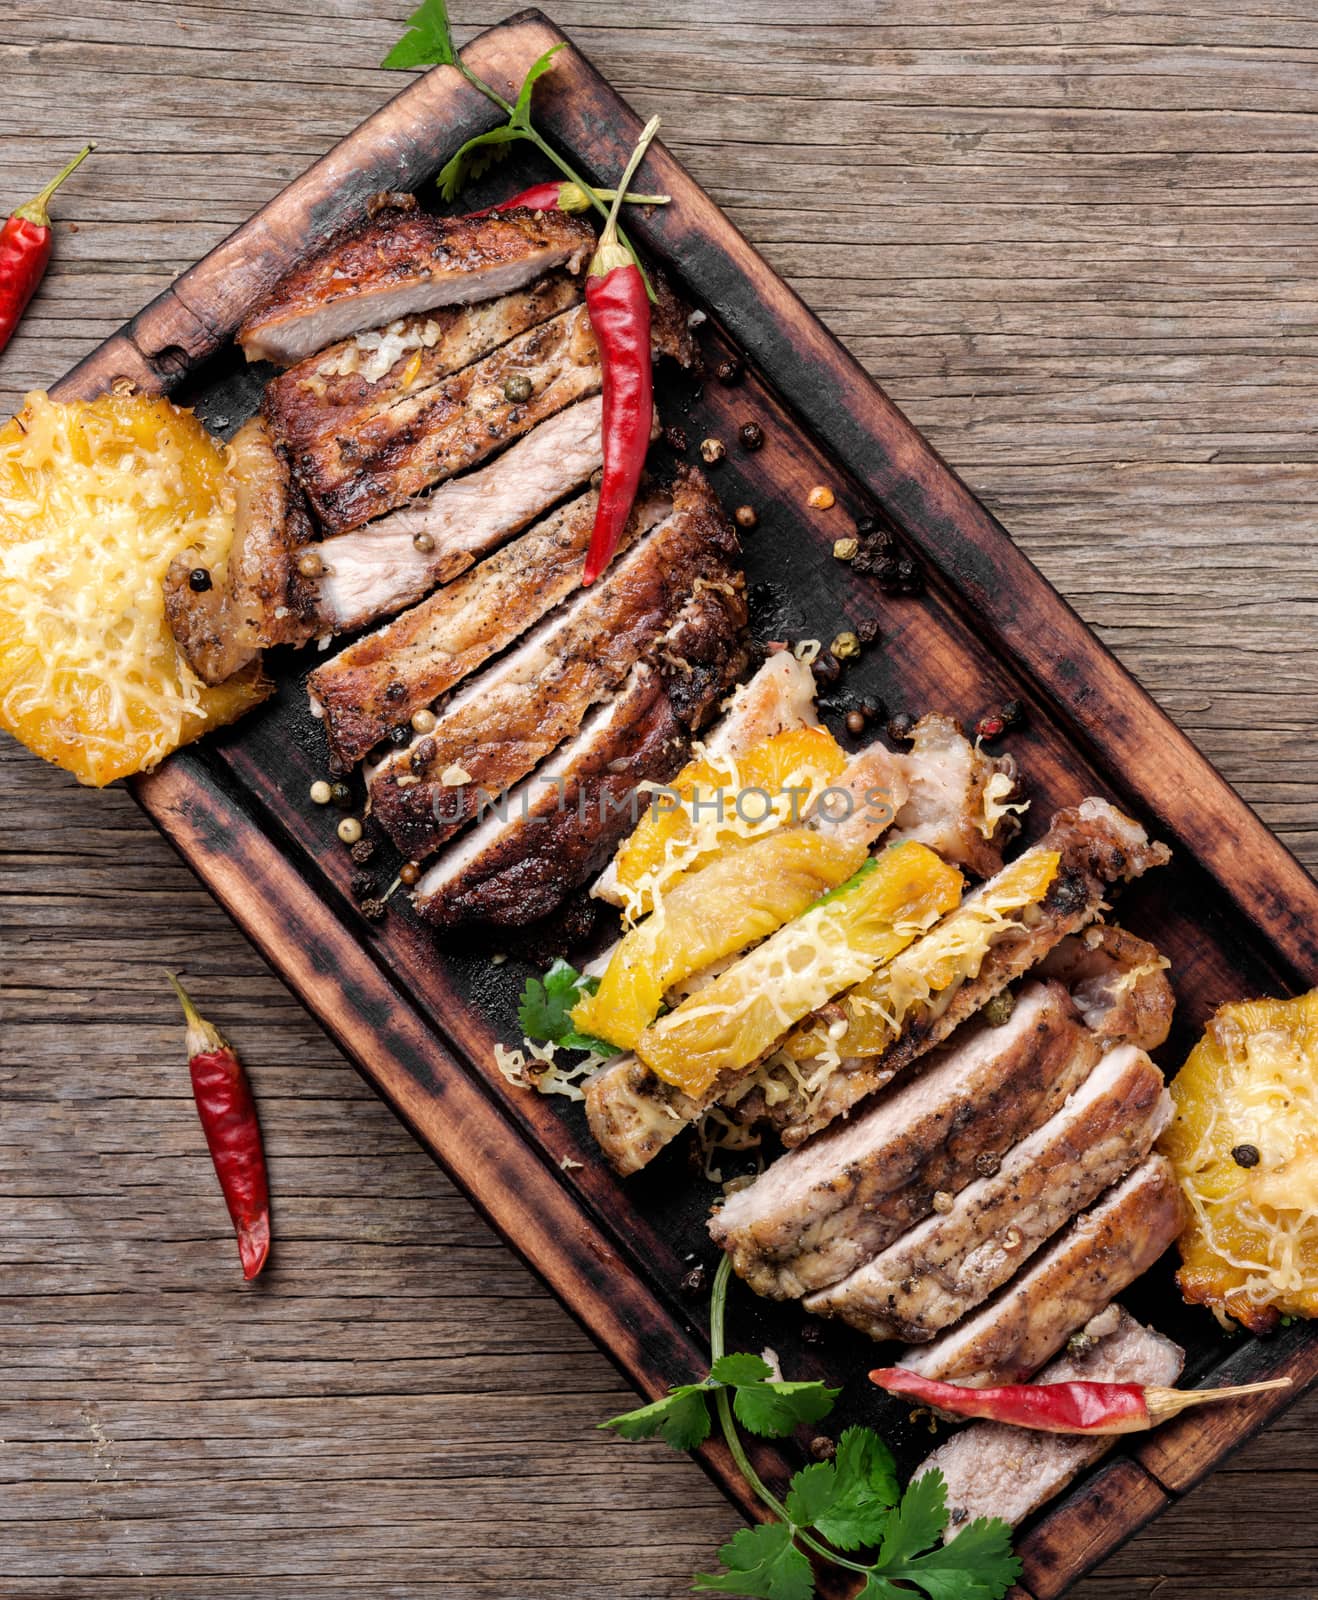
[(399, 261), (959, 799)]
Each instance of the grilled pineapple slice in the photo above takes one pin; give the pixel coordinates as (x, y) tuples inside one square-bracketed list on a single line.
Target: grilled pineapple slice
[(723, 801), (737, 899), (1244, 1142), (96, 499), (877, 1008), (732, 1021)]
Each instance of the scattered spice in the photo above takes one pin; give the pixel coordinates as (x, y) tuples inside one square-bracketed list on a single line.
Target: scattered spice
[(1245, 1155), (746, 517), (676, 440), (987, 1164), (350, 830), (199, 580), (998, 1011), (1012, 713), (826, 668), (423, 543), (361, 886), (751, 435), (729, 370), (990, 727), (310, 564), (341, 795), (362, 851), (712, 451), (855, 723), (517, 388), (321, 792), (408, 873), (233, 1135), (942, 1202), (901, 725), (423, 721), (845, 549), (373, 910), (696, 1282), (697, 319), (822, 1448), (820, 498)]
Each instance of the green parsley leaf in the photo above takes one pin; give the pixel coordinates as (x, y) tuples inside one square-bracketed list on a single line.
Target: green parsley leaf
[(810, 1494), (774, 1409), (977, 1565), (475, 158), (866, 1491), (522, 109), (545, 1009), (763, 1563), (740, 1367), (681, 1419), (917, 1522), (878, 1588), (428, 43)]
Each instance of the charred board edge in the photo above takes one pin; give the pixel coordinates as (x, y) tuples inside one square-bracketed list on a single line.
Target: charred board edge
[(1150, 762)]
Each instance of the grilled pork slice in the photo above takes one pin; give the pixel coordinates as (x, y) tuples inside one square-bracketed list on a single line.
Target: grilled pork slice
[(779, 696), (550, 832), (505, 720), (953, 1260), (821, 1211), (1105, 1249), (400, 261), (960, 800), (853, 1048), (1118, 982), (992, 1470), (337, 390), (380, 680), (391, 563), (259, 598)]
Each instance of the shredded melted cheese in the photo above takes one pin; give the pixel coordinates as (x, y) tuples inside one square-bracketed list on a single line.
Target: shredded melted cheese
[(996, 805), (373, 354), (536, 1066)]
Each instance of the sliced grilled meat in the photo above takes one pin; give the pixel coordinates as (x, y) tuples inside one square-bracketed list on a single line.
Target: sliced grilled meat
[(400, 261), (550, 832), (953, 1260), (993, 1470), (338, 390), (259, 598), (380, 680), (1105, 1249), (393, 562), (1118, 982), (1098, 847), (957, 797), (505, 720), (821, 1211)]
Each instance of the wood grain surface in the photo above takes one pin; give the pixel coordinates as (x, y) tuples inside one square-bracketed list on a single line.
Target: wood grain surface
[(1079, 253)]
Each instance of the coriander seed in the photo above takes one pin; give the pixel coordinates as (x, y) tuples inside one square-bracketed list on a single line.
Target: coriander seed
[(845, 549), (845, 646), (745, 517)]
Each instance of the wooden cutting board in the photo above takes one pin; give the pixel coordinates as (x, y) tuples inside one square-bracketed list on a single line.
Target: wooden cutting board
[(1234, 912)]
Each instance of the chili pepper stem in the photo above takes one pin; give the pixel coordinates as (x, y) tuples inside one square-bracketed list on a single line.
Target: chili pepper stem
[(202, 1035), (612, 252), (37, 209), (1165, 1403)]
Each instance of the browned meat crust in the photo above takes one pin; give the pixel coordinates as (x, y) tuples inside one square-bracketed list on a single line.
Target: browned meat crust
[(398, 262), (258, 598), (944, 1267), (1098, 1255), (558, 835), (379, 681), (507, 719), (1118, 982), (821, 1211)]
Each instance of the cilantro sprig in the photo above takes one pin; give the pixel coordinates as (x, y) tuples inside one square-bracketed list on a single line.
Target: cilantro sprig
[(545, 1009), (832, 1508), (429, 43)]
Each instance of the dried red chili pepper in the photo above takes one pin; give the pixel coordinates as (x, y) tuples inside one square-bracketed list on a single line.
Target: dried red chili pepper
[(557, 196), (619, 307), (233, 1134), (1061, 1407), (25, 246)]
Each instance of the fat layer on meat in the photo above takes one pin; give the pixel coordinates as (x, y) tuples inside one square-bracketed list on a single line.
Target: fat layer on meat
[(549, 833), (1098, 846), (958, 798), (381, 568), (953, 1260), (505, 720), (992, 1470), (380, 680), (1091, 1262), (400, 261), (823, 1210), (340, 389), (258, 598)]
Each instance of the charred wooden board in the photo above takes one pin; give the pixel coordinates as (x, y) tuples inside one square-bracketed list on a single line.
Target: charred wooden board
[(1235, 912)]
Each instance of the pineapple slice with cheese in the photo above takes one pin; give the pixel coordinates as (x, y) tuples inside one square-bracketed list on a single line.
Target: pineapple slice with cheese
[(730, 1022), (733, 901), (96, 499), (1244, 1142)]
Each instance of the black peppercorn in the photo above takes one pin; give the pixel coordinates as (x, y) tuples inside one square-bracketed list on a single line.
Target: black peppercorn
[(361, 885), (751, 435), (362, 851), (341, 795), (696, 1282), (402, 734), (872, 707), (422, 755), (199, 580), (987, 1164), (865, 526), (822, 1448), (1245, 1155), (395, 691), (373, 910), (855, 723), (1012, 713), (729, 370), (901, 725), (826, 667), (868, 630), (676, 440)]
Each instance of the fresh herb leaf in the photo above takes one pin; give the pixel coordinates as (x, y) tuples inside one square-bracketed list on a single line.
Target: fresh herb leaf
[(428, 42), (762, 1562), (977, 1565), (811, 1493), (680, 1419), (917, 1522), (475, 158), (866, 1491), (740, 1367), (773, 1410), (545, 1009), (522, 109)]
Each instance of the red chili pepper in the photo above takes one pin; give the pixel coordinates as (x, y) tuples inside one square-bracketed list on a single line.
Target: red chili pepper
[(25, 246), (1061, 1407), (233, 1135), (619, 307), (564, 197)]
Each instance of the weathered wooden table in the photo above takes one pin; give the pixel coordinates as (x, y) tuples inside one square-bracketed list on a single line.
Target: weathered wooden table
[(1079, 246)]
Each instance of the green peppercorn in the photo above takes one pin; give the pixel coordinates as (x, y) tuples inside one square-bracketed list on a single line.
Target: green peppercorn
[(998, 1012), (517, 388), (341, 795)]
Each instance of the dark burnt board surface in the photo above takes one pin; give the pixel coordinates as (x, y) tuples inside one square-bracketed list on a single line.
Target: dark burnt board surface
[(420, 1015)]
